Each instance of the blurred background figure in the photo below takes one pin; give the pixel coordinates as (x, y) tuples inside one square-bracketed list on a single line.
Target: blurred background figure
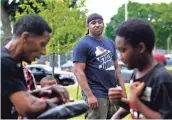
[(160, 58), (47, 81)]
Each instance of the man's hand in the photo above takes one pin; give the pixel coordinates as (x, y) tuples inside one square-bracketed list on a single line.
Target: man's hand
[(57, 92), (135, 91), (40, 92), (115, 94), (54, 100), (92, 102), (60, 92), (33, 106)]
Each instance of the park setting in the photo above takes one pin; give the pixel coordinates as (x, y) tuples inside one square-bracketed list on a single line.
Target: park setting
[(86, 59)]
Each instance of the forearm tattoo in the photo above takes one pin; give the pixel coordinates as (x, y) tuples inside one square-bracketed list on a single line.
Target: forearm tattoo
[(87, 90), (34, 100)]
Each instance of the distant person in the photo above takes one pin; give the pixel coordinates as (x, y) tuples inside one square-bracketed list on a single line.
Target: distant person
[(151, 84), (47, 81), (96, 69), (30, 36)]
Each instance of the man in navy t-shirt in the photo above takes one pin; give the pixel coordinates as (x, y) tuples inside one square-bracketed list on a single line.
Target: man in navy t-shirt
[(96, 69)]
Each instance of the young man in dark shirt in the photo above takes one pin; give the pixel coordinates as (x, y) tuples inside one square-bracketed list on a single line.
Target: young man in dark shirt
[(151, 84), (30, 36)]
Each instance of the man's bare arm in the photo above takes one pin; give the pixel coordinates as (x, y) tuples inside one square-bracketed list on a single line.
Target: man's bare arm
[(82, 80), (121, 113), (26, 104)]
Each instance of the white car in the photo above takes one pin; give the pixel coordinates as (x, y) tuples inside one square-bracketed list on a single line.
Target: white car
[(168, 56)]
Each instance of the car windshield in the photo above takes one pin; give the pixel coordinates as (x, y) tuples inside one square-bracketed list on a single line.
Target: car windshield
[(50, 69)]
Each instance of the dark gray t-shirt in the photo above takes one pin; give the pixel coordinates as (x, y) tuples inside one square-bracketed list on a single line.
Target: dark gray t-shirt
[(99, 56), (12, 80), (157, 93)]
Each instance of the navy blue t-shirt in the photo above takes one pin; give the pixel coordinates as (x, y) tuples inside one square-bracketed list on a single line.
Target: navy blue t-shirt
[(99, 56)]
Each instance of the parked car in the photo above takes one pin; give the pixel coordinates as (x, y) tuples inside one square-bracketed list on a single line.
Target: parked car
[(169, 62), (169, 59), (68, 66), (168, 56), (39, 71)]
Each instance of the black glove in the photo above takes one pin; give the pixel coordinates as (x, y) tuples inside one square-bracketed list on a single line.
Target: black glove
[(65, 111)]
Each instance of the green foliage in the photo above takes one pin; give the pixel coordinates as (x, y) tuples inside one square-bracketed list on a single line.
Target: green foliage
[(68, 24), (159, 15), (29, 7), (8, 13), (116, 20)]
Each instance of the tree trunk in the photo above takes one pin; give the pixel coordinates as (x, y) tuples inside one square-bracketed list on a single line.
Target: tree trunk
[(6, 26)]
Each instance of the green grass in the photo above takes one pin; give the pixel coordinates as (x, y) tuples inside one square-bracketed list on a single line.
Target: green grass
[(75, 95), (72, 89)]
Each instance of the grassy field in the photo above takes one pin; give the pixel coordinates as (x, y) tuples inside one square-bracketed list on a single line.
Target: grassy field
[(73, 95)]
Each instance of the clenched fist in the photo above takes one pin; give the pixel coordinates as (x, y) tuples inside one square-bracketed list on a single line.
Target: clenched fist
[(115, 94)]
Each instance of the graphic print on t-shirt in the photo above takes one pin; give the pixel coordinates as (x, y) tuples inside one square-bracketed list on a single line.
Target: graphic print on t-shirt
[(105, 57), (146, 96)]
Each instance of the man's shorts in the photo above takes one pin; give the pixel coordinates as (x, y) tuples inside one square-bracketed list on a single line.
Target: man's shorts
[(105, 110)]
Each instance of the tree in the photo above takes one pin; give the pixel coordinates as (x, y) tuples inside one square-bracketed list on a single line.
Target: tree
[(159, 15), (8, 11), (68, 24)]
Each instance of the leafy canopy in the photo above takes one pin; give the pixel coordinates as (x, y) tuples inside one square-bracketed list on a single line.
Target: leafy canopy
[(159, 15), (67, 23)]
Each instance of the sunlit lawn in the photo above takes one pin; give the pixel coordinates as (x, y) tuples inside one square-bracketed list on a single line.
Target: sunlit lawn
[(169, 68), (73, 95)]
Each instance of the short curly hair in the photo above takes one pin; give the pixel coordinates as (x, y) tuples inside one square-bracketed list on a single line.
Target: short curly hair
[(136, 31), (33, 24)]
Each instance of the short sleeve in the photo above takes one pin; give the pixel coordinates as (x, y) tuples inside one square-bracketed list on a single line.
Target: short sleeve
[(162, 99), (12, 79), (80, 52)]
